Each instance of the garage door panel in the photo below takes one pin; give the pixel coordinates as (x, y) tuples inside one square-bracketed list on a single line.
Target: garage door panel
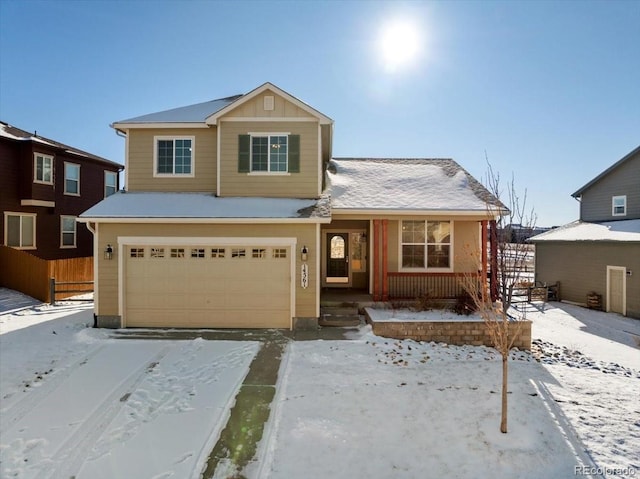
[(208, 292)]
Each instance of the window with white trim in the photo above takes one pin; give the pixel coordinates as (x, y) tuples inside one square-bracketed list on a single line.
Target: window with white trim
[(71, 179), (68, 232), (269, 153), (110, 183), (43, 169), (425, 244), (619, 205), (174, 156), (20, 230)]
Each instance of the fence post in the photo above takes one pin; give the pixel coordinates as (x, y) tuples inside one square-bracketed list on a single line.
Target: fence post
[(52, 291)]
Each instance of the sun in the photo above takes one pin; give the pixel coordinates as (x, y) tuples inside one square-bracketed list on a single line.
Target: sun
[(399, 44)]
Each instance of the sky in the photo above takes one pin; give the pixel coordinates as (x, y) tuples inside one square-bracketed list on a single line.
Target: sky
[(546, 92)]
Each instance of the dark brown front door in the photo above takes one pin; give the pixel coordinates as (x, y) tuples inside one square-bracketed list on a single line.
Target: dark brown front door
[(338, 257)]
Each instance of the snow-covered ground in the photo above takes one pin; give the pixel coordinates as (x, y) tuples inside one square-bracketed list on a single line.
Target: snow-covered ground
[(76, 402)]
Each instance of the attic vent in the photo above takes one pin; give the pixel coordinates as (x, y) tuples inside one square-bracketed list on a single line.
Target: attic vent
[(268, 103)]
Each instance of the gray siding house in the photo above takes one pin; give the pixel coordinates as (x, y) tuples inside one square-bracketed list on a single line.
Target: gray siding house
[(600, 253)]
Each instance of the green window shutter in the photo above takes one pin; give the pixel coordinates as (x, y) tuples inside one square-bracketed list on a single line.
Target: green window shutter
[(294, 153), (244, 153)]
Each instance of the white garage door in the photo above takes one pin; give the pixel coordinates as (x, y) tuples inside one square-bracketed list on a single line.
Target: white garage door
[(207, 286)]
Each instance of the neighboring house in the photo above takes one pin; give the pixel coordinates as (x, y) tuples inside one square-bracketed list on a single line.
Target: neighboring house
[(599, 253), (236, 215), (44, 186)]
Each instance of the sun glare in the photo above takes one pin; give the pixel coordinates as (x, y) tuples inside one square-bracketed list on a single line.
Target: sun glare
[(399, 44)]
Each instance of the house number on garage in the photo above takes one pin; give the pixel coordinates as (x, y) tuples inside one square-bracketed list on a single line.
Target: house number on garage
[(304, 276)]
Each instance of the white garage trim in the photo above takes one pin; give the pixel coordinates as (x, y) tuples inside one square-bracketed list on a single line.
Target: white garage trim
[(125, 241)]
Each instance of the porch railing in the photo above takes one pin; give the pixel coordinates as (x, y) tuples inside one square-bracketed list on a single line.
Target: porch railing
[(436, 285)]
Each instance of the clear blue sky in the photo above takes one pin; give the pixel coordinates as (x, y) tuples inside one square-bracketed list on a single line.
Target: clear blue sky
[(549, 90)]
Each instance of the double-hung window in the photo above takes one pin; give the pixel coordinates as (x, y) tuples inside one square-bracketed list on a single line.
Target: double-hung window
[(269, 153), (43, 169), (67, 232), (110, 183), (619, 205), (174, 156), (20, 230), (71, 179), (425, 245)]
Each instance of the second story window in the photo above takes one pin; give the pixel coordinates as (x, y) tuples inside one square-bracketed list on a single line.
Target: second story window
[(43, 169), (619, 205), (71, 179), (269, 153), (110, 183), (174, 156)]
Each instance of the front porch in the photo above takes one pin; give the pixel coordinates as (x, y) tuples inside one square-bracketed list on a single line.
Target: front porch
[(388, 319)]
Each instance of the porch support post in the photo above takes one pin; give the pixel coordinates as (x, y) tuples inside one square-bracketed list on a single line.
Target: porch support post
[(483, 246), (493, 246), (385, 249), (376, 261)]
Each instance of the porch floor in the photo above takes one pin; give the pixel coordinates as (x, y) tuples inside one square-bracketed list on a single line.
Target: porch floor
[(347, 297)]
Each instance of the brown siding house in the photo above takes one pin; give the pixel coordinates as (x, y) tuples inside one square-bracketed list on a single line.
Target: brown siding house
[(599, 255), (44, 186)]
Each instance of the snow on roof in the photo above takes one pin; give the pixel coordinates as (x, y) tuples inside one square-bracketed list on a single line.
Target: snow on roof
[(411, 184), (13, 133), (623, 230), (197, 113), (203, 205)]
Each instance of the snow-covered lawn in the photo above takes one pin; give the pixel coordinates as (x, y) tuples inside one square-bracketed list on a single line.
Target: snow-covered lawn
[(594, 358), (75, 403), (380, 408)]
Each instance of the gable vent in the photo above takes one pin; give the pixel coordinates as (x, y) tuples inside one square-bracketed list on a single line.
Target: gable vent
[(268, 103)]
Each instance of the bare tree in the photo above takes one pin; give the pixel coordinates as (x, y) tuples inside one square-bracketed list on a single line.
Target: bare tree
[(510, 257)]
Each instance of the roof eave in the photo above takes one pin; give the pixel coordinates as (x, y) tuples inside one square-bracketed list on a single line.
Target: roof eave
[(579, 192), (214, 117), (149, 125), (199, 220)]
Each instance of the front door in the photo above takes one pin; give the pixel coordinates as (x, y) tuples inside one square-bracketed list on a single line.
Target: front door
[(338, 258)]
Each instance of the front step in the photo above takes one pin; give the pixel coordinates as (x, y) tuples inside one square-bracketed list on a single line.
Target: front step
[(338, 316)]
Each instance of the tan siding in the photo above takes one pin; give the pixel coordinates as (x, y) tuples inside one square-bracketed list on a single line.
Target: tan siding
[(466, 238), (140, 164), (107, 277), (254, 108), (295, 185)]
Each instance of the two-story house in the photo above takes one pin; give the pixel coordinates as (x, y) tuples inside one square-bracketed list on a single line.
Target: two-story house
[(236, 215), (599, 253), (44, 186)]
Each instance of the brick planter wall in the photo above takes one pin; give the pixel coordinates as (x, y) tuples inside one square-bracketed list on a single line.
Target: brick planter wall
[(451, 332)]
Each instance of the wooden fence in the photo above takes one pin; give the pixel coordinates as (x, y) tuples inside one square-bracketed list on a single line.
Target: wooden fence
[(30, 275)]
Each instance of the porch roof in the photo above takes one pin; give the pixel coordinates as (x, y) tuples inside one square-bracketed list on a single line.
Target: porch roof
[(403, 184), (204, 206)]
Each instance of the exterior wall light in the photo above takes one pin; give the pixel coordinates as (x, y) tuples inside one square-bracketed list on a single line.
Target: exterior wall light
[(108, 252), (304, 253)]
